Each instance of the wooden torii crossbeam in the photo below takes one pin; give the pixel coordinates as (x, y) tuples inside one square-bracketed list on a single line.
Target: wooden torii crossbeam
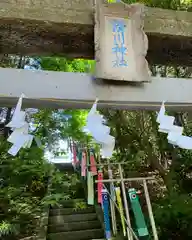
[(44, 27)]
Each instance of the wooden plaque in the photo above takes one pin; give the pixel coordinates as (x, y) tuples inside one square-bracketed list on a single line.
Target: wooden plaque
[(120, 42)]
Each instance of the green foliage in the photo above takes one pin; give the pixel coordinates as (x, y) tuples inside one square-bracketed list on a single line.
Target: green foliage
[(54, 199), (65, 65), (174, 217), (23, 192), (23, 184), (63, 185), (7, 229), (80, 205), (167, 4)]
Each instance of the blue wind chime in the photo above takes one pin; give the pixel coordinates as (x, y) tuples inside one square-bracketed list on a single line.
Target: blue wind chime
[(105, 206)]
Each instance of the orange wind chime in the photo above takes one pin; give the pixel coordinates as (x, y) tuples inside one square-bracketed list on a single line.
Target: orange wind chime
[(99, 186)]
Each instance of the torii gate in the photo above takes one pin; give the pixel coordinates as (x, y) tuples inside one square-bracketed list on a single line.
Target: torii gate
[(39, 27)]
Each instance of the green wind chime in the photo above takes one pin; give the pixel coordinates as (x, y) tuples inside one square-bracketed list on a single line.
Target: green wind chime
[(138, 214)]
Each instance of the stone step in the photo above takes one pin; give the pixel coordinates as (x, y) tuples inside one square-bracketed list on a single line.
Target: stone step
[(77, 235), (61, 219), (74, 226), (67, 167), (69, 211), (69, 203)]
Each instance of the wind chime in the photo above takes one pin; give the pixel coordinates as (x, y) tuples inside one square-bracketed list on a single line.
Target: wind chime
[(89, 171), (85, 160), (140, 223), (138, 213)]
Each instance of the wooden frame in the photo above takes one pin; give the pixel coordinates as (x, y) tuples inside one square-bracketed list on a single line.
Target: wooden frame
[(122, 180)]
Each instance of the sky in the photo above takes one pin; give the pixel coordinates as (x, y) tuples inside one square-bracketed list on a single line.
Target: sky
[(63, 146), (35, 65)]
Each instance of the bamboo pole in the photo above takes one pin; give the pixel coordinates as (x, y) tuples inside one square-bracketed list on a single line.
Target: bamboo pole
[(150, 211), (129, 234), (113, 216), (125, 179), (106, 164), (122, 180)]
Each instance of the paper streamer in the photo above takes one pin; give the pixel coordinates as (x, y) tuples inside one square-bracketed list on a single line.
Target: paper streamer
[(175, 136), (120, 205), (74, 162), (20, 137), (95, 124), (79, 156), (99, 186), (18, 118), (93, 164), (83, 164), (105, 204), (90, 188), (107, 149)]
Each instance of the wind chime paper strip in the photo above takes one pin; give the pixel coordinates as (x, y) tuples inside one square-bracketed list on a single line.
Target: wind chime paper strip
[(83, 164), (90, 187), (105, 205), (80, 156), (120, 205), (99, 186), (138, 214), (74, 162), (93, 164)]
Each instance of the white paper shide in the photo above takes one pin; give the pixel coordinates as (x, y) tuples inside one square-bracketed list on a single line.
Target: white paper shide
[(174, 132), (20, 137), (100, 132)]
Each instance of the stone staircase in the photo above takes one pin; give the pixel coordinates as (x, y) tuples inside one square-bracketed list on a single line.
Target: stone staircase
[(67, 223)]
